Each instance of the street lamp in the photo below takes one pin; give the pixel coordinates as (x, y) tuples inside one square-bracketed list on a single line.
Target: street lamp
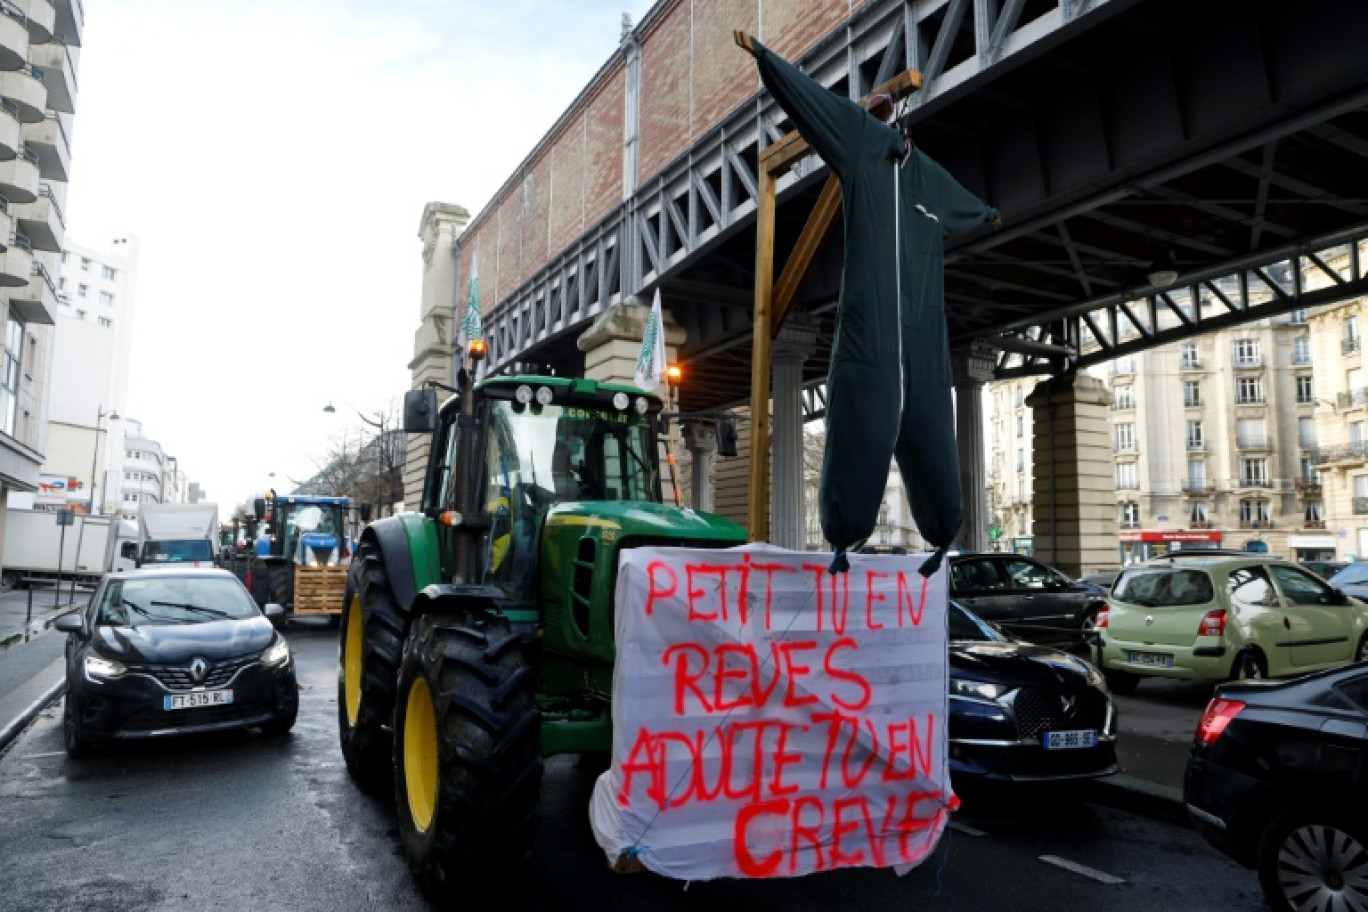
[(95, 456)]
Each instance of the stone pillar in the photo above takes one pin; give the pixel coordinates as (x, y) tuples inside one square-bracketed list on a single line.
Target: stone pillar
[(700, 439), (1075, 477), (972, 367), (440, 231), (796, 342)]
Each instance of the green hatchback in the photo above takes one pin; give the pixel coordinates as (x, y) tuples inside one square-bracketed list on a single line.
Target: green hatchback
[(1218, 618)]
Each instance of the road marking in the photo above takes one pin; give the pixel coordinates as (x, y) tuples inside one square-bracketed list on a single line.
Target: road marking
[(1081, 869), (966, 829)]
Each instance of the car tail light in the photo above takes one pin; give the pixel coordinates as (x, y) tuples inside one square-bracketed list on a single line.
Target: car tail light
[(1218, 714), (1213, 624), (1103, 614)]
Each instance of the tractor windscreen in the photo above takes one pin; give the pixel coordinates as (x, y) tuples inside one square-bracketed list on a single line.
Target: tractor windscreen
[(541, 455)]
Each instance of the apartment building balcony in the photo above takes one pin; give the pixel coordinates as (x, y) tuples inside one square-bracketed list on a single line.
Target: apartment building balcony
[(1251, 400), (19, 178), (36, 302), (70, 21), (1256, 524), (1191, 365), (1248, 363), (42, 20), (1127, 406), (1343, 454), (1193, 402), (1355, 398), (1196, 446), (1125, 449), (25, 88), (11, 131), (1314, 524), (42, 220), (1306, 486), (1252, 442), (1129, 525), (16, 263), (14, 37), (48, 139), (1201, 524), (1256, 483), (57, 62), (1350, 346), (1197, 488), (1301, 359)]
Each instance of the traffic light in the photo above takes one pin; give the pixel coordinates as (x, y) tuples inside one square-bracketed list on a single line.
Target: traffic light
[(994, 533)]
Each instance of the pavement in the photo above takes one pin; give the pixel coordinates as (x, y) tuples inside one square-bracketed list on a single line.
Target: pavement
[(31, 679)]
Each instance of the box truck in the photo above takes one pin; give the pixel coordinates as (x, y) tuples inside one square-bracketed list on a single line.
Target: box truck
[(90, 546), (178, 533)]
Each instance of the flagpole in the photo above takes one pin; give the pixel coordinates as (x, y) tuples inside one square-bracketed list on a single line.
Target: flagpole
[(669, 439)]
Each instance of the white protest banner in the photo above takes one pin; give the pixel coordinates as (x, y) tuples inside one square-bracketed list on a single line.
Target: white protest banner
[(771, 719)]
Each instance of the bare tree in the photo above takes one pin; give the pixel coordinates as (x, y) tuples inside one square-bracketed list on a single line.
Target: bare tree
[(365, 463)]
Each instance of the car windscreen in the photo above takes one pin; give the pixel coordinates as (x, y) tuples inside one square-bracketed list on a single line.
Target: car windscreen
[(131, 602), (175, 552), (1162, 587)]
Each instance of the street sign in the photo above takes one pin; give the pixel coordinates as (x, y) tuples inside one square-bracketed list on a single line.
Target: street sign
[(66, 517)]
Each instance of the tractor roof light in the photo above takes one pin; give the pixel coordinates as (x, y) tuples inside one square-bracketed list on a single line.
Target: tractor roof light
[(673, 373), (641, 405), (621, 401), (523, 394), (544, 395)]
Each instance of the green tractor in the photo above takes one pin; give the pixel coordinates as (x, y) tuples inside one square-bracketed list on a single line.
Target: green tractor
[(478, 632)]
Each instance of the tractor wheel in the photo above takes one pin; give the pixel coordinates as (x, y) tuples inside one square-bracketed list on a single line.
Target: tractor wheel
[(467, 751), (370, 641), (280, 587)]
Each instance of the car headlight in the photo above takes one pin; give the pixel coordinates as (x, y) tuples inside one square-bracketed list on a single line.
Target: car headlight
[(981, 690), (97, 667), (278, 654)]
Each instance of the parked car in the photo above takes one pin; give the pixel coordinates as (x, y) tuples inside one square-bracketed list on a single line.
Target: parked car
[(1324, 569), (172, 651), (1025, 596), (1221, 617), (1352, 579), (1023, 712), (1277, 778)]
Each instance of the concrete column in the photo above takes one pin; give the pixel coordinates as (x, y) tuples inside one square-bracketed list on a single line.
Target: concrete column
[(700, 439), (1075, 477), (795, 343), (440, 231), (972, 367)]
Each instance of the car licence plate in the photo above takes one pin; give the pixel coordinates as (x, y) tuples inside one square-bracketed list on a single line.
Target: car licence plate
[(196, 699), (1157, 659), (1069, 740)]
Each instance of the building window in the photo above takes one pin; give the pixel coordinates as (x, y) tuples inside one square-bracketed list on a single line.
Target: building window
[(1196, 475), (9, 380), (108, 273), (61, 284), (1130, 516), (1308, 469), (1124, 397), (1356, 432), (85, 264), (1192, 393), (1305, 391), (1021, 459), (1021, 425), (1249, 390), (1315, 514), (1297, 316), (1125, 438), (1254, 473), (1246, 352), (1350, 342), (1191, 359), (1195, 440), (1123, 365), (82, 290), (80, 314), (1197, 514), (1360, 495), (1250, 433), (1301, 350), (106, 322), (1306, 432), (1126, 477), (1254, 514), (107, 299)]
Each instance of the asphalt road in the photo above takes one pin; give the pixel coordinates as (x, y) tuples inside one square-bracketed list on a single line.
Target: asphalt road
[(245, 821)]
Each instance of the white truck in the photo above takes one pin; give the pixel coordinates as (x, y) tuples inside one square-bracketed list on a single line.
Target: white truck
[(178, 533), (35, 542)]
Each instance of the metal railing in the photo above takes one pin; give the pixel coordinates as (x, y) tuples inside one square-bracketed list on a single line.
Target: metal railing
[(1251, 442), (1306, 485), (1199, 487), (1349, 346), (1256, 524), (1360, 507), (1355, 451), (1352, 399)]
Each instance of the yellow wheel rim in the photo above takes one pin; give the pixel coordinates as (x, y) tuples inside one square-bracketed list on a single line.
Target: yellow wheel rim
[(351, 660), (420, 755)]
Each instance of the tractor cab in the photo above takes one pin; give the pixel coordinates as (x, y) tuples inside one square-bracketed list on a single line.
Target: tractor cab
[(307, 531)]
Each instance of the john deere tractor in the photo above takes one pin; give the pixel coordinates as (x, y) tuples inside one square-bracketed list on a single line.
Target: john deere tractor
[(477, 635)]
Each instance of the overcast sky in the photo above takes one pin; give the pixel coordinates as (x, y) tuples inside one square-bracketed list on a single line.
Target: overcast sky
[(273, 158)]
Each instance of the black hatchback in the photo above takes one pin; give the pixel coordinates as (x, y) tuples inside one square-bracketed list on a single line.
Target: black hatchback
[(1277, 778), (1027, 597), (174, 651)]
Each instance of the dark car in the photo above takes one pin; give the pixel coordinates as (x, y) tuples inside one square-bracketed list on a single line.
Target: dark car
[(1029, 598), (1352, 579), (1277, 778), (172, 651), (1022, 712), (1324, 569)]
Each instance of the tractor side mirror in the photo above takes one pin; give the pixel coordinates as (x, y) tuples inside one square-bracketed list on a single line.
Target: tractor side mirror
[(726, 436), (420, 411), (259, 506)]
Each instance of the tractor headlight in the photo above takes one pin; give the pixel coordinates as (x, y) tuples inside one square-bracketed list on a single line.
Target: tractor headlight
[(99, 668), (544, 395), (277, 654), (523, 394), (621, 401), (641, 405)]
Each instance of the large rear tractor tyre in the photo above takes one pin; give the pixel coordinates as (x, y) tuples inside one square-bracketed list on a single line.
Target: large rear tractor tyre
[(280, 588), (467, 757), (370, 644)]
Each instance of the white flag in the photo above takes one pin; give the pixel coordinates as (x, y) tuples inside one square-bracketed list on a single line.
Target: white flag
[(470, 329), (650, 366)]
